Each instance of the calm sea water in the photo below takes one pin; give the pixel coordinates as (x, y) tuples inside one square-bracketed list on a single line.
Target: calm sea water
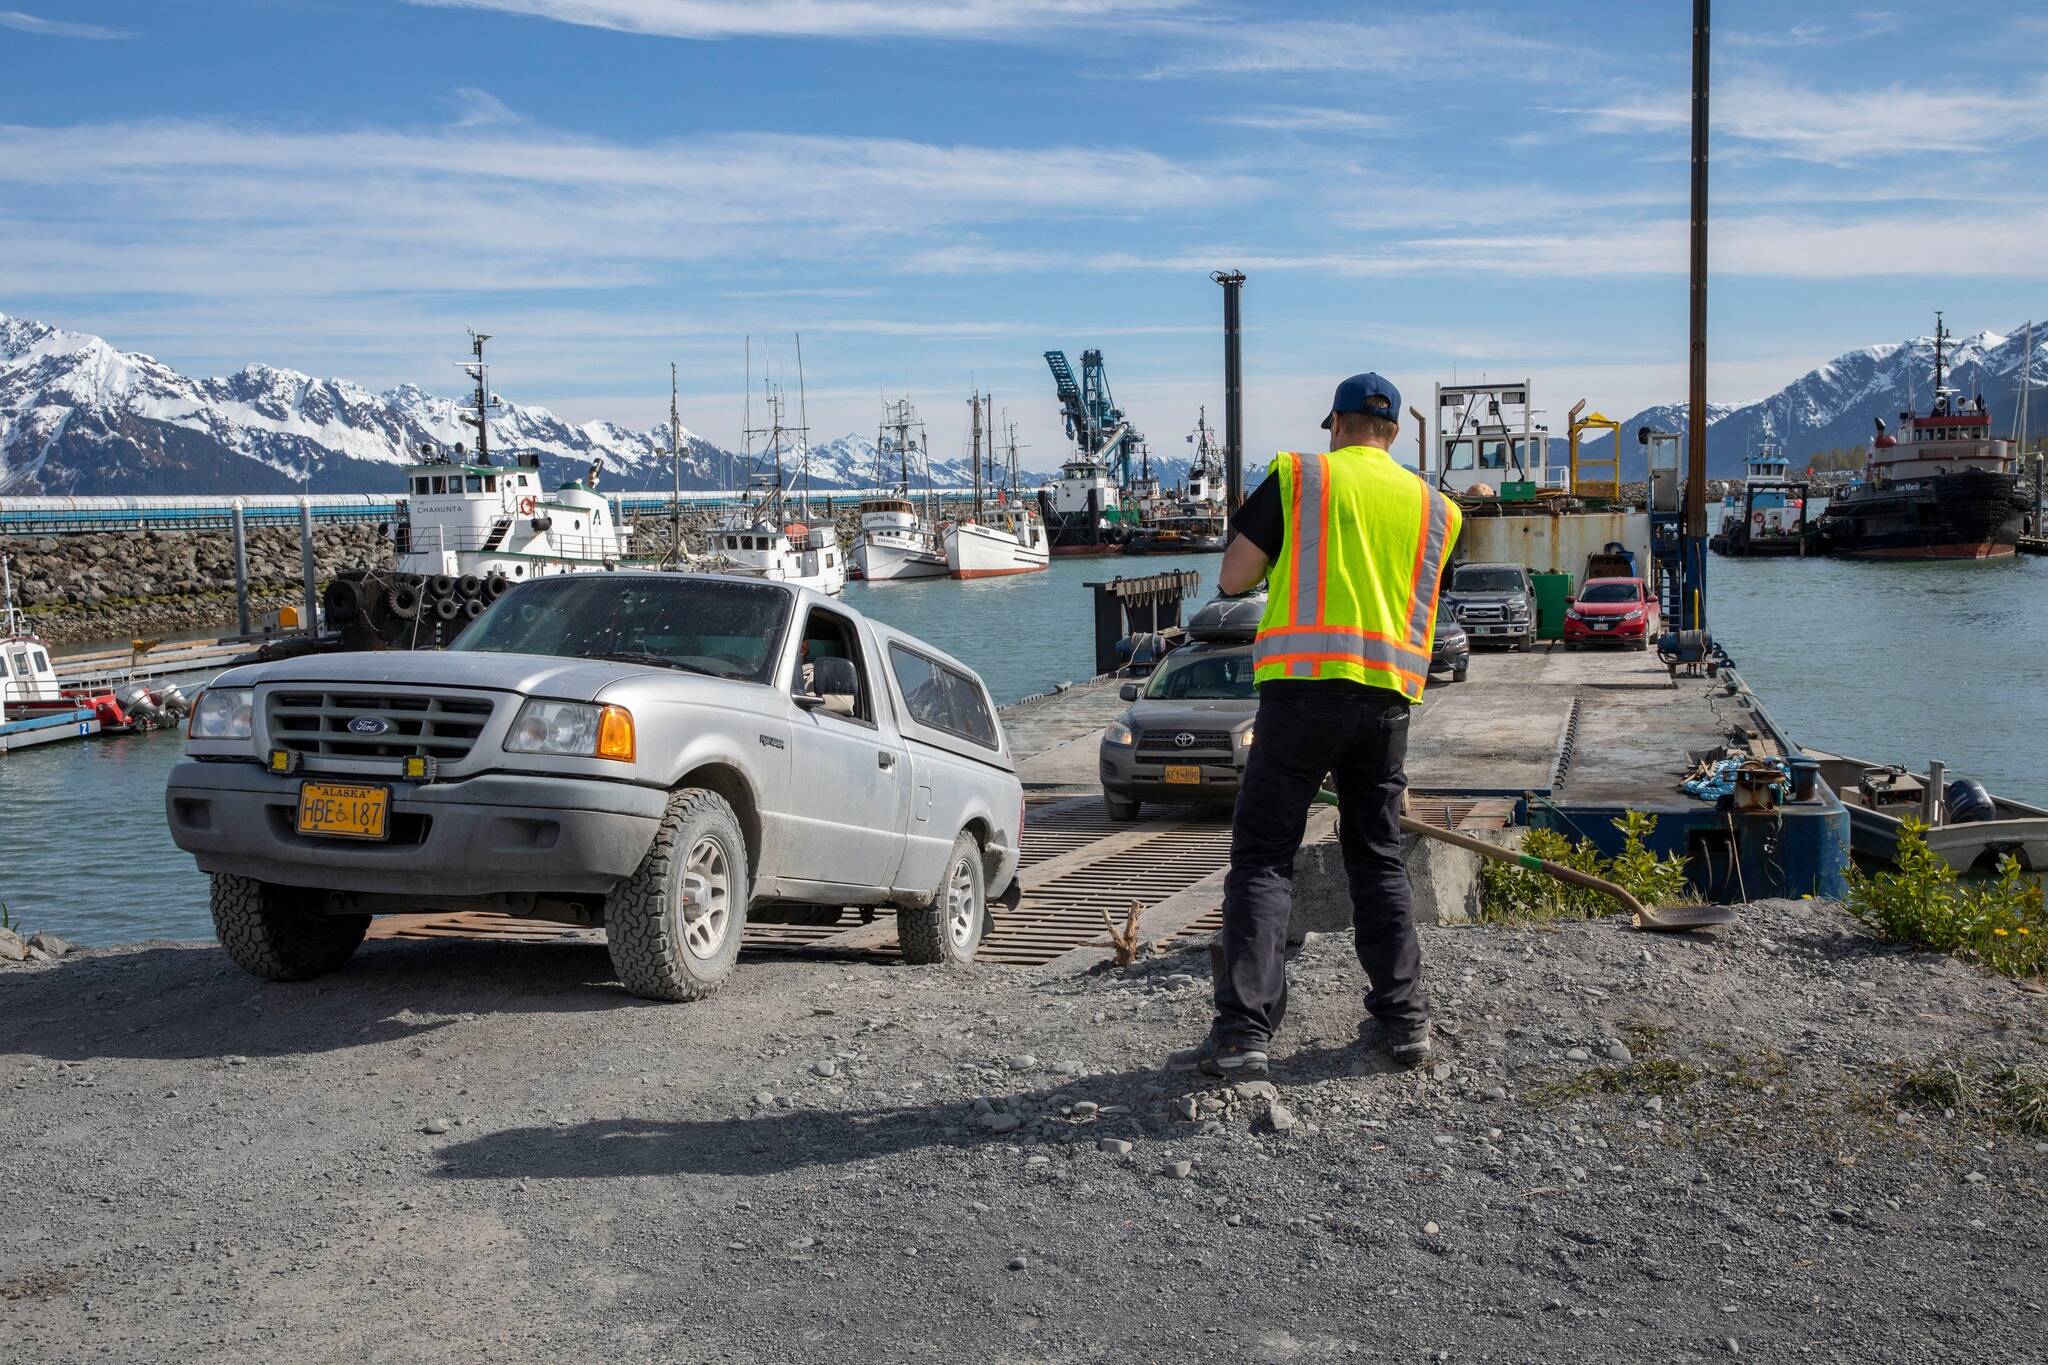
[(1896, 662)]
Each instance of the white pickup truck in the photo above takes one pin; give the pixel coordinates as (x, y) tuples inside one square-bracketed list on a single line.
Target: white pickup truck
[(661, 754)]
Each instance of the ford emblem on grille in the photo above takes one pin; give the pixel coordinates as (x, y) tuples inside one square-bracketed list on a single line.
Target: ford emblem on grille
[(1184, 740), (368, 725)]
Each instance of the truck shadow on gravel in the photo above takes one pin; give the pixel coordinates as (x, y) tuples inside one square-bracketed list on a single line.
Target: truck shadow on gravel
[(1134, 1107), (189, 1003)]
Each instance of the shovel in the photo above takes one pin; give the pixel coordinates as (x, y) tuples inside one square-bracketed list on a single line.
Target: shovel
[(1669, 920)]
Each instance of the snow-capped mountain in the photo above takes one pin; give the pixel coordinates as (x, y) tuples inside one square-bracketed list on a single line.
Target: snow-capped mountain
[(78, 416), (1833, 407)]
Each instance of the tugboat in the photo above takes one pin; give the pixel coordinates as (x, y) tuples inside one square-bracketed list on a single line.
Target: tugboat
[(1766, 513), (1944, 489), (1196, 524), (896, 539), (468, 527), (1000, 541)]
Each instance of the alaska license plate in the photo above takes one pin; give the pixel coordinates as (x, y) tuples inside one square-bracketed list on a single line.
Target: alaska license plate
[(1184, 774), (342, 811)]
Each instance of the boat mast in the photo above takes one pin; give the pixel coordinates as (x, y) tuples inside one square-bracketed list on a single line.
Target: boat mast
[(1939, 336), (675, 465), (803, 425), (974, 405), (485, 400)]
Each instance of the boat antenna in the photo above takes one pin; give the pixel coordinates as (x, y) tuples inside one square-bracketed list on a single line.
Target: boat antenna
[(803, 425), (746, 431)]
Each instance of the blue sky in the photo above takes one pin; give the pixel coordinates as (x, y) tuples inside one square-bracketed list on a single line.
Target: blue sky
[(936, 193)]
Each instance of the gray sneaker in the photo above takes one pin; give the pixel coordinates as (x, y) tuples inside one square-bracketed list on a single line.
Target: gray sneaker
[(1216, 1056), (1407, 1044)]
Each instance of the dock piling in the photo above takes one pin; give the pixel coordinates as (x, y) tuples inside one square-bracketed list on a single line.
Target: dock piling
[(312, 585), (241, 571)]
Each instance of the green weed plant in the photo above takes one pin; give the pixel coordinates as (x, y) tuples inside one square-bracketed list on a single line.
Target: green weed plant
[(1514, 895), (2000, 922)]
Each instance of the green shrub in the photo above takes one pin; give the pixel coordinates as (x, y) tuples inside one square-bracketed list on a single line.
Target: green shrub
[(2000, 922), (1514, 895)]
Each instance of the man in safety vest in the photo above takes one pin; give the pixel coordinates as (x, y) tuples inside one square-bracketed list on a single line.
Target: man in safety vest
[(1352, 547)]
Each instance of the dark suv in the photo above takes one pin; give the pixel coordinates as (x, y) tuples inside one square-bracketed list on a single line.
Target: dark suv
[(1187, 732)]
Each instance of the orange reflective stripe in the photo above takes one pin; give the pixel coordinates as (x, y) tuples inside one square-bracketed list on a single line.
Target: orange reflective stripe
[(1429, 558), (1311, 658), (1322, 544), (1340, 635)]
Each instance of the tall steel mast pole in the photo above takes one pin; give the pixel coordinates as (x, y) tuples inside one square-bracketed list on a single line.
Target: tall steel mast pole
[(1233, 391), (1693, 578)]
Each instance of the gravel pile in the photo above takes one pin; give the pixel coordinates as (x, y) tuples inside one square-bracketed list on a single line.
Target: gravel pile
[(1629, 1147)]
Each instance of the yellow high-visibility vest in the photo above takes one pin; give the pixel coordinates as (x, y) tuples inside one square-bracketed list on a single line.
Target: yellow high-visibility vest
[(1352, 593)]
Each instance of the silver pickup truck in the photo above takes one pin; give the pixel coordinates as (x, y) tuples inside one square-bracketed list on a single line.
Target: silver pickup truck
[(661, 754)]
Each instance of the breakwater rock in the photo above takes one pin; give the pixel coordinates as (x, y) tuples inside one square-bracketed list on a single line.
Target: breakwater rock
[(111, 584)]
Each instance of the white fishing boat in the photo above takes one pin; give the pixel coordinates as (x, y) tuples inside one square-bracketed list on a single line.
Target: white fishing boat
[(762, 538), (897, 540), (467, 516), (1006, 538)]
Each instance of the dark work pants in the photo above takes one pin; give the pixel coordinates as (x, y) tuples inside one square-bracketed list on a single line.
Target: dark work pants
[(1358, 736)]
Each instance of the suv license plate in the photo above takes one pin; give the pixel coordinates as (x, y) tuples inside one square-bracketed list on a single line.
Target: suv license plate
[(340, 811), (1184, 774), (1603, 625)]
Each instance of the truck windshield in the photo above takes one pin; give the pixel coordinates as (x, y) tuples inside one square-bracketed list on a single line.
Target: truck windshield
[(724, 628), (1487, 580), (1204, 677)]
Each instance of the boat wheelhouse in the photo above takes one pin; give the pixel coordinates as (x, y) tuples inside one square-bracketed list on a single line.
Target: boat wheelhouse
[(1488, 443), (1944, 488)]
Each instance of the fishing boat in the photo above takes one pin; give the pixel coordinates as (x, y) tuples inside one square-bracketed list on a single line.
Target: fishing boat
[(999, 540), (1968, 828), (1765, 514), (1943, 488), (765, 537), (37, 708), (897, 539)]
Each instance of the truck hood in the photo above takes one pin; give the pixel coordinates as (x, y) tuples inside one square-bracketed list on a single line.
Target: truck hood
[(1485, 599), (527, 674), (1154, 716)]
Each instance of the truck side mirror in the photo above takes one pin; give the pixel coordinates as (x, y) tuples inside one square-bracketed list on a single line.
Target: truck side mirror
[(1129, 692), (833, 676)]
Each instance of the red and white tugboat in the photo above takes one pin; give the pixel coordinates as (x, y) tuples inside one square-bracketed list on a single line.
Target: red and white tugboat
[(1944, 488)]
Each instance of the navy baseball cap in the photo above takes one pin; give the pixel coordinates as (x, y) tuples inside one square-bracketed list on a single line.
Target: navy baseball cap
[(1367, 393)]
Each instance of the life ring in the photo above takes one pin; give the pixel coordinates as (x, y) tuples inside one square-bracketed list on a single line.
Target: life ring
[(526, 506), (1756, 518)]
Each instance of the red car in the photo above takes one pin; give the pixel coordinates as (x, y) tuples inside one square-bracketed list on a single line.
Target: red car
[(1611, 610)]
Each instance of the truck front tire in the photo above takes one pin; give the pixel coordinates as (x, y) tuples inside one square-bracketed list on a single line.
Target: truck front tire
[(948, 932), (674, 926), (280, 932)]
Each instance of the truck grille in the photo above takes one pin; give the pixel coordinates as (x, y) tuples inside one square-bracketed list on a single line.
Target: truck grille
[(428, 725), (1160, 746)]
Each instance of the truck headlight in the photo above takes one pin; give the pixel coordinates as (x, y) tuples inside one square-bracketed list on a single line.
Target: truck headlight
[(1247, 738), (1119, 734), (572, 729), (223, 713)]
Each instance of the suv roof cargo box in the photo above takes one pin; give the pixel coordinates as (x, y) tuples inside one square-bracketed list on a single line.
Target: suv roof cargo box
[(1228, 618)]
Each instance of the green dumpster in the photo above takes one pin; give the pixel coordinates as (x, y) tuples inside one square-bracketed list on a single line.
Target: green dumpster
[(1553, 595)]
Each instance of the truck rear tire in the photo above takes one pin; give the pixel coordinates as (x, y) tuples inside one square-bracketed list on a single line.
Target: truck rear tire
[(948, 932), (279, 932), (674, 926)]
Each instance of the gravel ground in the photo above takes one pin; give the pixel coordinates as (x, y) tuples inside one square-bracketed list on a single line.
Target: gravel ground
[(1632, 1147)]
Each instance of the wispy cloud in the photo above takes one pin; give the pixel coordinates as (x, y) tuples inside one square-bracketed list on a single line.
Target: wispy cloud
[(56, 28), (709, 19), (1875, 23), (1262, 45), (214, 206), (1308, 119), (480, 108), (1844, 127)]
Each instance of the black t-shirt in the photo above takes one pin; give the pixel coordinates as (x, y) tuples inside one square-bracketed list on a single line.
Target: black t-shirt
[(1263, 521)]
